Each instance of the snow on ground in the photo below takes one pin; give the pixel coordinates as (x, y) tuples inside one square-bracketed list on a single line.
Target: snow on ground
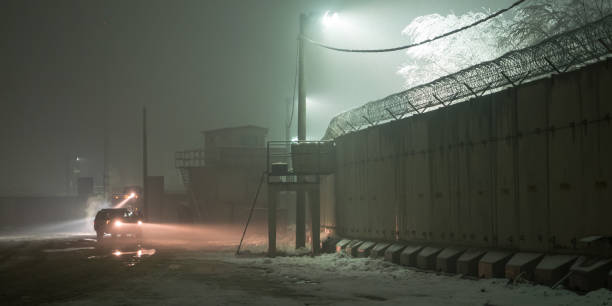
[(350, 281), (213, 275)]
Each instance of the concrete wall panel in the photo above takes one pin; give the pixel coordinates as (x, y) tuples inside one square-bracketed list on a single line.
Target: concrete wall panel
[(479, 205), (457, 154), (505, 169), (390, 142), (417, 180), (362, 208), (439, 176), (375, 178), (532, 165), (340, 183), (598, 203), (566, 184)]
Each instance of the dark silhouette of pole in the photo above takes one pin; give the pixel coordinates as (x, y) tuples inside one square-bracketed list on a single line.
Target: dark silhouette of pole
[(105, 175), (145, 174), (300, 209)]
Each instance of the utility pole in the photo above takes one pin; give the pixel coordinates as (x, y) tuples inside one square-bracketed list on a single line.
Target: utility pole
[(300, 209), (145, 204), (105, 174), (288, 120)]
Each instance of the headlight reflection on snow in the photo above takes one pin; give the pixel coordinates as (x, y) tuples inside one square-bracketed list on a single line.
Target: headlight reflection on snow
[(139, 253)]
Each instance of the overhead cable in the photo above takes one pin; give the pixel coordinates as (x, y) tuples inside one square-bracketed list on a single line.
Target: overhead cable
[(320, 44)]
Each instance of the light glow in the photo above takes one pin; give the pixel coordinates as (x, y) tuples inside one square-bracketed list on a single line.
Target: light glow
[(330, 19), (139, 222), (118, 223), (127, 198), (117, 253)]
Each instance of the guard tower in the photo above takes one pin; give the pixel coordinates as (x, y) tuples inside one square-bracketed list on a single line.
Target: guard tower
[(297, 166), (220, 176)]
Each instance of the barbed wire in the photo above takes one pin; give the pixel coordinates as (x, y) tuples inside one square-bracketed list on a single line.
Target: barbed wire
[(558, 54)]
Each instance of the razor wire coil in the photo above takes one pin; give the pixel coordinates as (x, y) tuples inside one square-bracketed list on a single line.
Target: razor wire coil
[(557, 54)]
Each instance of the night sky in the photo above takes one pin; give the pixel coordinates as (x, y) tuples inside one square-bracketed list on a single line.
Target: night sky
[(195, 65)]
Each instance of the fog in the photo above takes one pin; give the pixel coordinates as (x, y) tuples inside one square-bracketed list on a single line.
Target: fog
[(72, 68)]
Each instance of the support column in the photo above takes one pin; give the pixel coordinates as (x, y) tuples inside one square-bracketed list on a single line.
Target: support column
[(272, 198), (315, 214), (300, 219)]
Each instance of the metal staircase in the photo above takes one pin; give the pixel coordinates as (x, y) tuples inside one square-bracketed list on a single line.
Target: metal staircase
[(184, 161)]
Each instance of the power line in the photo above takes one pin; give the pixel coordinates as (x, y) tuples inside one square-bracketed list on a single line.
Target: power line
[(415, 44)]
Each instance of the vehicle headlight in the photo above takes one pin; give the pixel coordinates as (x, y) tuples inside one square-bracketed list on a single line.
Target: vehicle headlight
[(139, 222), (118, 223)]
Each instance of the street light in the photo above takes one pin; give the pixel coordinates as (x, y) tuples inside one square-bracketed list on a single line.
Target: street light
[(329, 19)]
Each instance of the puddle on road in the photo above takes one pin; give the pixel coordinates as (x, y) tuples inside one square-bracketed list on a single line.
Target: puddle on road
[(138, 253), (131, 258), (67, 249)]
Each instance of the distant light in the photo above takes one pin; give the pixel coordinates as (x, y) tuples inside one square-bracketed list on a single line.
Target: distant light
[(330, 19), (117, 253), (139, 222), (77, 158), (139, 253)]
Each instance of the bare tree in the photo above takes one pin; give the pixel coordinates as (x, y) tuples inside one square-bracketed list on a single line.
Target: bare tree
[(540, 19), (453, 53), (528, 24)]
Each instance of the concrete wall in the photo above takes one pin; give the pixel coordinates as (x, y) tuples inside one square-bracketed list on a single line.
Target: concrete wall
[(527, 168)]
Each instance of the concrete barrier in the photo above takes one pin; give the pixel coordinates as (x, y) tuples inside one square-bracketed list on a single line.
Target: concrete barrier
[(392, 254), (467, 263), (408, 257), (379, 250), (426, 259), (492, 264), (447, 259), (552, 268), (341, 245), (351, 248), (365, 248), (590, 274), (523, 265)]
